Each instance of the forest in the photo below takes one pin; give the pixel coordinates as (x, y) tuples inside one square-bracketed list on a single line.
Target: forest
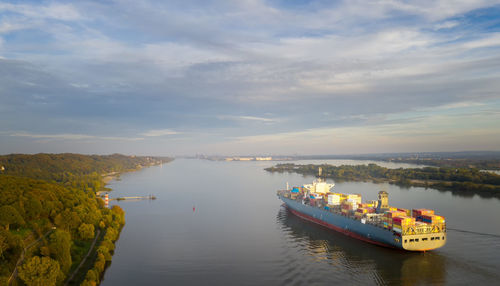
[(50, 215), (462, 181)]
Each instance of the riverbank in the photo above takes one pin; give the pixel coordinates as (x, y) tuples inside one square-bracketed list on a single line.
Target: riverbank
[(460, 181), (108, 177), (45, 191), (91, 270)]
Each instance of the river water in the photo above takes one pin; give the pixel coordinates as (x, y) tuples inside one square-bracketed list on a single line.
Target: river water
[(220, 223)]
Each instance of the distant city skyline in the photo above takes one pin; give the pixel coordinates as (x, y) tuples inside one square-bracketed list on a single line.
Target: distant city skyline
[(249, 77)]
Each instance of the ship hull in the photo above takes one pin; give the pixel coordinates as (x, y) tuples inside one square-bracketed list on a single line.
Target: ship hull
[(356, 229)]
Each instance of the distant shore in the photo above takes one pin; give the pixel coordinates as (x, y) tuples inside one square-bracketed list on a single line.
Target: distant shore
[(461, 181)]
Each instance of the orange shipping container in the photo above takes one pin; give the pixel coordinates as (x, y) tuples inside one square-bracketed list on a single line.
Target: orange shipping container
[(392, 214), (404, 220), (421, 212)]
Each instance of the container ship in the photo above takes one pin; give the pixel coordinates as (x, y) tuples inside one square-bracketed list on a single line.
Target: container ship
[(374, 221)]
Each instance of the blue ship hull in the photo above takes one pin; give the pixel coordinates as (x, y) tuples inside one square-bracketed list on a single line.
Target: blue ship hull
[(351, 227)]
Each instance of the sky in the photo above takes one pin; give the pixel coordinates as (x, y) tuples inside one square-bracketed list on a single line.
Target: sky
[(249, 77)]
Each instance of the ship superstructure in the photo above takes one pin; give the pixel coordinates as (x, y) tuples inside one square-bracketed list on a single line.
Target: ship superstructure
[(374, 221)]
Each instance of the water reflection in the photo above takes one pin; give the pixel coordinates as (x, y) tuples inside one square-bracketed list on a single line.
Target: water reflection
[(346, 256)]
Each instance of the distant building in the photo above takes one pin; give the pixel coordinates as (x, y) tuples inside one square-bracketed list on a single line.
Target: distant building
[(244, 158), (264, 158)]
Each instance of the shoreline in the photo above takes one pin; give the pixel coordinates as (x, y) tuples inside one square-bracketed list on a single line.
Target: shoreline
[(82, 272), (363, 173), (108, 177)]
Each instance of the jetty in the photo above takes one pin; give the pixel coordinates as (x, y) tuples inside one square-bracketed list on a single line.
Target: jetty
[(150, 197)]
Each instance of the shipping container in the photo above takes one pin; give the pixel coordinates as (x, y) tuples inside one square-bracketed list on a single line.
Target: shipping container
[(403, 220), (354, 198), (391, 214), (407, 212), (433, 219), (334, 199), (421, 212)]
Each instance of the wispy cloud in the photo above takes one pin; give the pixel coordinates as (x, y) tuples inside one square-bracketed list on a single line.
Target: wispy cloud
[(159, 132), (56, 11), (70, 136), (247, 118), (463, 104), (446, 25)]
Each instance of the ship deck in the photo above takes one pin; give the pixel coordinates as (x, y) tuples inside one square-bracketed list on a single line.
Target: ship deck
[(369, 230)]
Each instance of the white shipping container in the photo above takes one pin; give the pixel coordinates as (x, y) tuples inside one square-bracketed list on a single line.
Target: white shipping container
[(396, 229), (354, 206), (354, 198), (334, 199)]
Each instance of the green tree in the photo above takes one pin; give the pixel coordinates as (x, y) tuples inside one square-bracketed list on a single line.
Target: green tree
[(38, 271), (111, 234), (88, 283), (4, 245), (100, 263), (86, 231), (92, 276), (33, 208), (9, 215), (105, 252), (108, 244), (60, 248)]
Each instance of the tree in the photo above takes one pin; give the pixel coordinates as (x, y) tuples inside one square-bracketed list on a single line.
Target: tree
[(60, 248), (111, 234), (38, 271), (88, 283), (105, 252), (9, 244), (9, 215), (100, 263), (4, 245), (92, 276), (108, 244), (33, 208), (86, 231)]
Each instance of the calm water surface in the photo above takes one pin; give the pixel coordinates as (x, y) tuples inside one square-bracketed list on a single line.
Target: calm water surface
[(240, 234)]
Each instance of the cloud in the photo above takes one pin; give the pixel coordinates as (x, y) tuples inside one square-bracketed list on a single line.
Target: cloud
[(240, 69), (446, 25), (247, 118), (7, 27), (69, 136), (159, 132), (56, 11), (484, 42), (464, 104), (434, 132)]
